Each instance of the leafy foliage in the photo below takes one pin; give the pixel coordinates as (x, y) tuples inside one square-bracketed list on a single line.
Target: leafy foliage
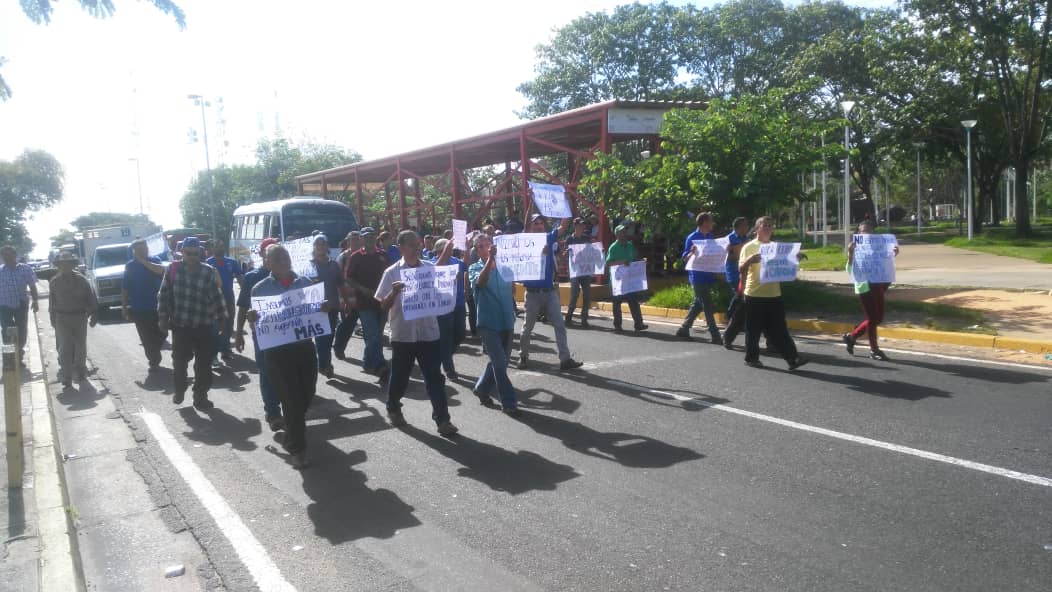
[(29, 183)]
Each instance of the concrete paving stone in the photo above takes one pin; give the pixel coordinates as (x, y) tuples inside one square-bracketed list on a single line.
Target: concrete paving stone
[(129, 553), (94, 434), (18, 565), (104, 486)]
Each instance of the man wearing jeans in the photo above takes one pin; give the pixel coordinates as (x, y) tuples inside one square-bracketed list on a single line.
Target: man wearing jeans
[(364, 270), (271, 401), (15, 279), (583, 283), (412, 341), (348, 313), (496, 323), (702, 283), (142, 281), (543, 296)]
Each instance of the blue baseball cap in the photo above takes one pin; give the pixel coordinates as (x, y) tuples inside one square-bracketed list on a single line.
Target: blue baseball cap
[(191, 242)]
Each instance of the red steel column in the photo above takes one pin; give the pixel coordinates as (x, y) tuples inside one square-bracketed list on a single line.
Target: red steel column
[(359, 198), (402, 217), (524, 165), (604, 146), (454, 177)]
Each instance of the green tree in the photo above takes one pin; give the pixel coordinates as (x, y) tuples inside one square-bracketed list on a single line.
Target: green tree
[(29, 183), (39, 11), (273, 176), (631, 53)]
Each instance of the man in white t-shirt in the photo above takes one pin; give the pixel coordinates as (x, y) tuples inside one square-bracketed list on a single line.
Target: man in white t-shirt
[(412, 341)]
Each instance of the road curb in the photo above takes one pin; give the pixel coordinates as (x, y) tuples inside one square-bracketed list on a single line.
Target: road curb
[(836, 328)]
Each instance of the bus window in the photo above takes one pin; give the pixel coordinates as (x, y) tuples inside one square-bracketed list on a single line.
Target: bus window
[(332, 219)]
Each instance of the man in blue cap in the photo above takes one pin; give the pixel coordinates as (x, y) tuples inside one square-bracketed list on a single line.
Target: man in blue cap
[(191, 303)]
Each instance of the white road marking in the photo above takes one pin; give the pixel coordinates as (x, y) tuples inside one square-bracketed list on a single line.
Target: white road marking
[(975, 466), (638, 360), (248, 548)]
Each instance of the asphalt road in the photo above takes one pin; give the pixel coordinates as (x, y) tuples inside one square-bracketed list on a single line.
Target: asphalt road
[(637, 472)]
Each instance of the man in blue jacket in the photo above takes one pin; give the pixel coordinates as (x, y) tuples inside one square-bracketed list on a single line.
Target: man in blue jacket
[(701, 281)]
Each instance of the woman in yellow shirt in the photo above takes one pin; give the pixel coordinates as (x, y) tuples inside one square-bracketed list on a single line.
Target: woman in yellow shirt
[(764, 310)]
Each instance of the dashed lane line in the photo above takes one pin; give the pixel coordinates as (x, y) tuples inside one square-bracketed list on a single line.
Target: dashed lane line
[(248, 548)]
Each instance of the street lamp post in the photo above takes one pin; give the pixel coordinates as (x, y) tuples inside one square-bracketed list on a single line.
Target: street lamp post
[(847, 106), (918, 146), (825, 227), (138, 181), (200, 101), (968, 125)]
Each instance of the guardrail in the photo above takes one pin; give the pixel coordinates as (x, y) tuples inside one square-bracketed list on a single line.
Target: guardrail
[(13, 408)]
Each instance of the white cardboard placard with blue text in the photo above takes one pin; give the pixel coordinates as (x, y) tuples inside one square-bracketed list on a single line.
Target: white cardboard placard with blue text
[(156, 245), (628, 279), (551, 200), (430, 291), (519, 256), (709, 255), (778, 262), (874, 258), (586, 259), (293, 316)]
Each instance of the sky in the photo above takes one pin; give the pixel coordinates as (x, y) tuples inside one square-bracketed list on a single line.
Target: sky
[(109, 98)]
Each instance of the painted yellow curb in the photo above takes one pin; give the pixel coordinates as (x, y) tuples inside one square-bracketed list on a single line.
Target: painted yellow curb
[(1030, 345)]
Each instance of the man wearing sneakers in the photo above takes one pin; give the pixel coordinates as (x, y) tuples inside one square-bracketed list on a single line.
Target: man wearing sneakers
[(542, 296), (701, 282), (191, 303), (412, 341)]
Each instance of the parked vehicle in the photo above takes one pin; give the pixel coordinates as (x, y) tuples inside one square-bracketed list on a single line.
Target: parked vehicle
[(106, 272), (89, 239), (285, 220)]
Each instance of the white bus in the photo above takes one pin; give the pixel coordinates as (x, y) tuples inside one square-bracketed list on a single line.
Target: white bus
[(287, 219)]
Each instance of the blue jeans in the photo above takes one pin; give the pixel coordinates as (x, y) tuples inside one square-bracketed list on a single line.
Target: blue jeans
[(271, 403), (425, 353), (373, 357), (497, 345), (702, 303), (323, 344), (451, 335), (344, 331)]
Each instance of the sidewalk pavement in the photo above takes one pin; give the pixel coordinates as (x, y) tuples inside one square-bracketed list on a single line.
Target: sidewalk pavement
[(921, 264), (38, 551)]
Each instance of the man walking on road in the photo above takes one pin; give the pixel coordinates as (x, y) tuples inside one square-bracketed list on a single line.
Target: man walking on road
[(581, 284), (228, 269), (191, 302), (364, 270), (348, 313), (329, 274), (623, 252), (542, 296), (292, 368), (271, 401), (701, 282), (142, 281), (496, 323), (15, 279), (412, 341), (71, 305)]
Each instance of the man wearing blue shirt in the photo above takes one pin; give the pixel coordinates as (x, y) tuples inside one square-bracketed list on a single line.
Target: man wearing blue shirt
[(142, 281), (701, 281), (228, 269), (271, 401), (451, 325), (543, 296), (735, 312)]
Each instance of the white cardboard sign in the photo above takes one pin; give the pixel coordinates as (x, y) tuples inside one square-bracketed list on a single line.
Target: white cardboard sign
[(586, 259), (874, 258), (293, 316), (778, 262), (519, 256), (460, 234), (709, 255), (156, 244), (430, 291), (628, 279), (551, 200)]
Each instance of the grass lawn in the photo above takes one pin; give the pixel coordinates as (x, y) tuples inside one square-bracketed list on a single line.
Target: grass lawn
[(1001, 242), (814, 297)]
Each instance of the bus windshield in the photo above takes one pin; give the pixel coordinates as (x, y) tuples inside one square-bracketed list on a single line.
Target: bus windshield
[(109, 256), (334, 220)]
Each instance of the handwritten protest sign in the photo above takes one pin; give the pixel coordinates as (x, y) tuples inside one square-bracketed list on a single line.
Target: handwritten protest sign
[(430, 291), (293, 316), (156, 244), (628, 279), (778, 262), (460, 234), (586, 259), (301, 251), (874, 258), (519, 256), (551, 200), (709, 255)]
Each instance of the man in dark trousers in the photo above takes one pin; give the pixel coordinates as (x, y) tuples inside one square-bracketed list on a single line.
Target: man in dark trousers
[(292, 368), (271, 401), (142, 281), (191, 303), (363, 272)]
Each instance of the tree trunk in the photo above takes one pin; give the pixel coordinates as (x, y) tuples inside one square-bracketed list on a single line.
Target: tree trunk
[(1022, 198)]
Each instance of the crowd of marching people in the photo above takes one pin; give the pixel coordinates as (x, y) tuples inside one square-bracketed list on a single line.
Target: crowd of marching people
[(194, 301)]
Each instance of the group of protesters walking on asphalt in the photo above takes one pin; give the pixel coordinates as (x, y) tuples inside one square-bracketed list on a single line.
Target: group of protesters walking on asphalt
[(194, 301)]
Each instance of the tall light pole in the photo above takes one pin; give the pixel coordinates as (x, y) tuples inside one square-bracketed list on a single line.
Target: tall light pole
[(825, 227), (200, 101), (918, 146), (138, 181), (847, 106), (968, 125)]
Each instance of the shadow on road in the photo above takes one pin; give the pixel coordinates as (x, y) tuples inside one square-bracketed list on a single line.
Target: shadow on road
[(978, 372), (159, 380), (644, 393), (217, 427), (495, 467), (542, 398), (629, 450), (82, 395), (891, 389)]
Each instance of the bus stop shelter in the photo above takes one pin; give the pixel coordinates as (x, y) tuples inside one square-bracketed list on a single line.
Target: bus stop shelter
[(516, 155)]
